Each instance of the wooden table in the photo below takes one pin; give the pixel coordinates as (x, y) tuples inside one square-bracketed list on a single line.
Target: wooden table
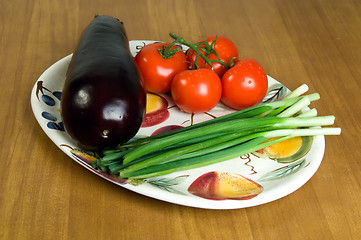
[(46, 195)]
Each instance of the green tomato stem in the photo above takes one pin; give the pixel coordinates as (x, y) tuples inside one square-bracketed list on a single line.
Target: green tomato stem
[(195, 47), (168, 52)]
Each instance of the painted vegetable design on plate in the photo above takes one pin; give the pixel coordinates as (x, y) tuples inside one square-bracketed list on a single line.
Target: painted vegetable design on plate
[(224, 185), (287, 151), (52, 100), (156, 110)]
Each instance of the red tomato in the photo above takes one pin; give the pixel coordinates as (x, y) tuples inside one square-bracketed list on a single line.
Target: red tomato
[(225, 49), (244, 85), (156, 71), (196, 91)]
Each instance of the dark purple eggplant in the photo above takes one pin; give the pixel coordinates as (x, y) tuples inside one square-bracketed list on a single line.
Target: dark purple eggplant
[(103, 101)]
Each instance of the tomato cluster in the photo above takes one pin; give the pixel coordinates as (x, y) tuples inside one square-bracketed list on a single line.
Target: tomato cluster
[(209, 72)]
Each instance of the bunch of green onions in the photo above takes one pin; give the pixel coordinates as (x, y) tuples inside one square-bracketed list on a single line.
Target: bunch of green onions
[(219, 139)]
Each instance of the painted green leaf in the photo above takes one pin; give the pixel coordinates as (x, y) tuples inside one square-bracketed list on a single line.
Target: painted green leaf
[(275, 92), (283, 171), (167, 184)]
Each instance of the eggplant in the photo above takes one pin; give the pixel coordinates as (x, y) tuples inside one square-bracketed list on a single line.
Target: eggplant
[(103, 100)]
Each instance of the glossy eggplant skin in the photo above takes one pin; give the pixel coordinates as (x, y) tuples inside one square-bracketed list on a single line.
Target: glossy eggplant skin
[(103, 101)]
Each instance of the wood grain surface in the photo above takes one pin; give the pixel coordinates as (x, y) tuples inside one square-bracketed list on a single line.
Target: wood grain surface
[(46, 195)]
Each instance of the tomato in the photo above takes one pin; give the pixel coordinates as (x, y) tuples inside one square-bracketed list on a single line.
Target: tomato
[(244, 85), (225, 49), (196, 91), (157, 72)]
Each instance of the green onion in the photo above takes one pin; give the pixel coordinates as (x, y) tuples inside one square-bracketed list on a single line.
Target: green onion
[(252, 145), (267, 125), (297, 92), (258, 110), (309, 113), (219, 139)]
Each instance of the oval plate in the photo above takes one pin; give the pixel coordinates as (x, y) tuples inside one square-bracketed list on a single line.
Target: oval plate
[(246, 181)]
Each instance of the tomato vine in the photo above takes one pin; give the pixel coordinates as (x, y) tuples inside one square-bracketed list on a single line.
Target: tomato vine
[(167, 52)]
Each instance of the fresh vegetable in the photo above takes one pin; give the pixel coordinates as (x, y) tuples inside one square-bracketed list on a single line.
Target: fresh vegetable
[(158, 63), (244, 85), (216, 140), (196, 91), (214, 48), (103, 101)]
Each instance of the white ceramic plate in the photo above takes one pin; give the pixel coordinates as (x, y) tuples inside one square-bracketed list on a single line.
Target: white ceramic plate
[(238, 183)]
